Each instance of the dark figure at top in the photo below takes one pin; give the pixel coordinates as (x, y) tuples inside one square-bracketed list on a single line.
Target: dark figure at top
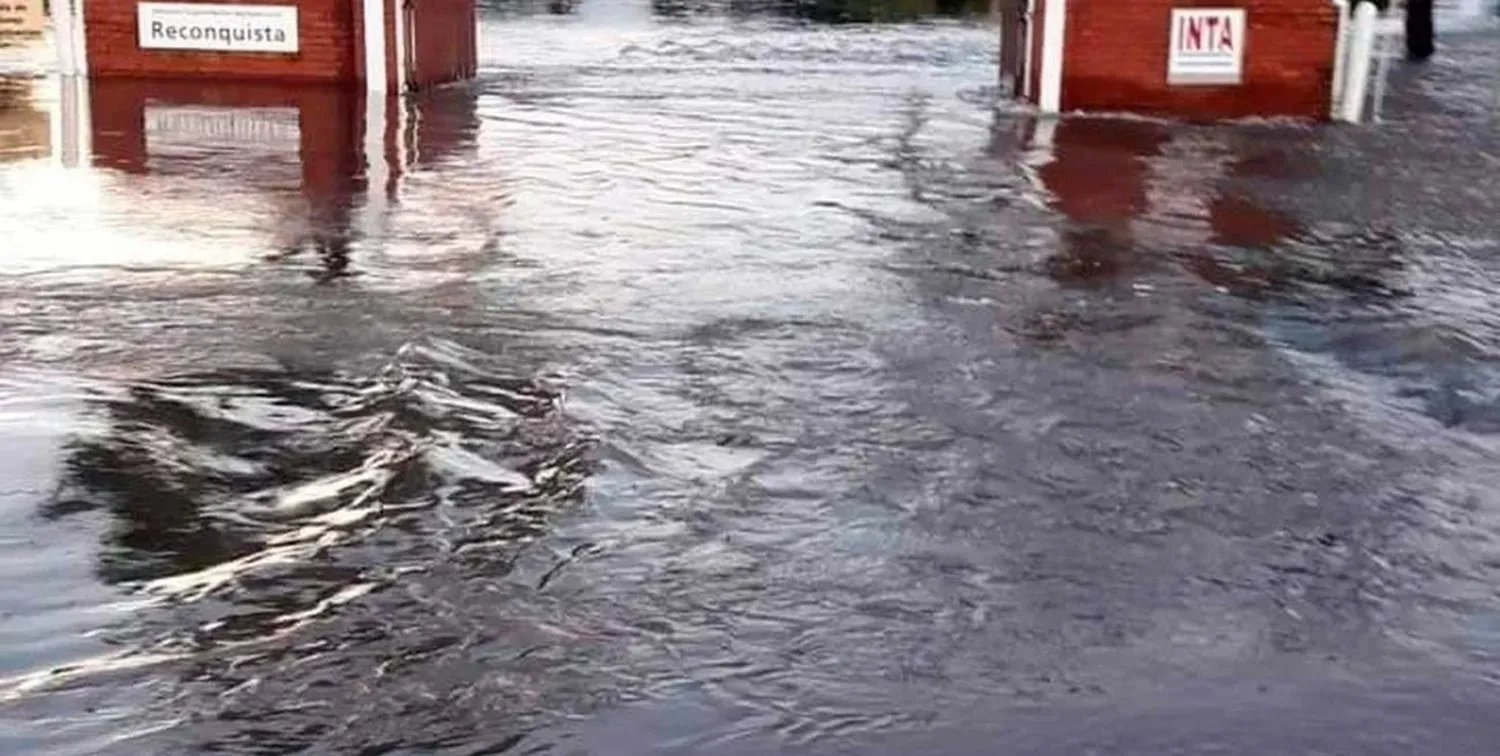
[(1419, 32)]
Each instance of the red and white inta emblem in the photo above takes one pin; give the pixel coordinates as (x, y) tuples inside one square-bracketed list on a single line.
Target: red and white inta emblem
[(1207, 46)]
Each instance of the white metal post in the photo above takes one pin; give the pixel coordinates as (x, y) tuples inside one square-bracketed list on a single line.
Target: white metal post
[(80, 43), (1385, 49), (1054, 27), (1357, 69), (1340, 46), (374, 34), (62, 36), (1027, 64)]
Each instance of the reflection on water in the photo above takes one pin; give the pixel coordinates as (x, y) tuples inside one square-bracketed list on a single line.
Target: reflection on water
[(310, 172), (1179, 194), (24, 128), (693, 387)]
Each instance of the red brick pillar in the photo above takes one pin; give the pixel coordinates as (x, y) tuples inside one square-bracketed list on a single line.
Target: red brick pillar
[(1139, 56), (312, 41)]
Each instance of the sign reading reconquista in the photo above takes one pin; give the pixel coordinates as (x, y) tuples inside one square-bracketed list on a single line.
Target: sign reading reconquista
[(221, 28)]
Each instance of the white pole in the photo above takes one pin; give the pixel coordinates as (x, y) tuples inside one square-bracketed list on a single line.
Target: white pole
[(1054, 26), (403, 46), (1340, 44), (80, 39), (1361, 49), (1385, 44), (374, 33), (1027, 64), (62, 36)]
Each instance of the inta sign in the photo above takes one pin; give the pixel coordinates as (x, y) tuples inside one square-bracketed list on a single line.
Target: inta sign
[(220, 28), (1207, 46)]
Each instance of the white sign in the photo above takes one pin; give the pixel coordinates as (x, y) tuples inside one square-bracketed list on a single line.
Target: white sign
[(22, 17), (223, 28), (1207, 46)]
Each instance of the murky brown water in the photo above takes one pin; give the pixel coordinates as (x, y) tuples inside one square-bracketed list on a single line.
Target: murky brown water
[(697, 383)]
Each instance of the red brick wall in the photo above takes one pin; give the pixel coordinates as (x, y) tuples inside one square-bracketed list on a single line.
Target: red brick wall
[(325, 29), (445, 47), (1116, 59)]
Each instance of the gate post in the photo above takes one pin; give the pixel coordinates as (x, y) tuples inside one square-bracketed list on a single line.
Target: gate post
[(1195, 59), (358, 42)]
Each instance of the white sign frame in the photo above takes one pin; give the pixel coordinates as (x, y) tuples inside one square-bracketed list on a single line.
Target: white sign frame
[(217, 27), (1206, 68)]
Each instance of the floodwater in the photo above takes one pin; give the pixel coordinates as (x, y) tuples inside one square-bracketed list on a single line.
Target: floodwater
[(700, 381)]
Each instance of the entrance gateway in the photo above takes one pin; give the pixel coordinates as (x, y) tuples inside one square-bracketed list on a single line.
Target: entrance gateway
[(1193, 59), (387, 46)]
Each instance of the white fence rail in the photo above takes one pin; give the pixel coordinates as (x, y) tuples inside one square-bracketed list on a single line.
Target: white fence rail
[(1367, 42)]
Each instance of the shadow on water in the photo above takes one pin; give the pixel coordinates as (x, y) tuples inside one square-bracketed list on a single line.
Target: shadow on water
[(210, 476), (253, 513), (250, 508)]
